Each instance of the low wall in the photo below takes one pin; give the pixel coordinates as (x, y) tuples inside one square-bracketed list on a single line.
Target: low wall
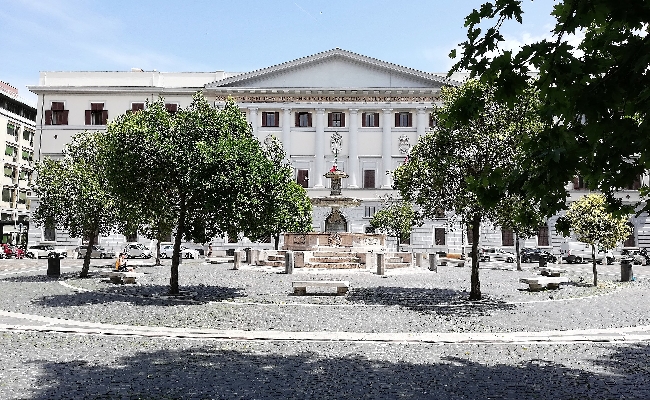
[(313, 240)]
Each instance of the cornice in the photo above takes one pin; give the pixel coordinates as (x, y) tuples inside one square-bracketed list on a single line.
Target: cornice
[(111, 89)]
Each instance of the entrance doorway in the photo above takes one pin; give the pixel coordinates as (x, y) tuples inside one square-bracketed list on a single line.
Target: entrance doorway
[(336, 222)]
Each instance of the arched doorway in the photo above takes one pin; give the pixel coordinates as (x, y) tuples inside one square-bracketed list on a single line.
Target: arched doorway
[(336, 222)]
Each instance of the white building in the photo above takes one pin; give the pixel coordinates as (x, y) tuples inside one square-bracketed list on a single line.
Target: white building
[(17, 128), (376, 110)]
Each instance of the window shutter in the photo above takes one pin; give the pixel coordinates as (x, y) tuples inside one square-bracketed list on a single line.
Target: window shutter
[(297, 119), (64, 117), (57, 106), (576, 183), (342, 119), (363, 119), (263, 119), (369, 179), (637, 183), (104, 117), (48, 117), (376, 120), (410, 120), (507, 238), (277, 118), (430, 120), (88, 113), (440, 236), (542, 235), (171, 107), (309, 119), (397, 119), (96, 106), (329, 119)]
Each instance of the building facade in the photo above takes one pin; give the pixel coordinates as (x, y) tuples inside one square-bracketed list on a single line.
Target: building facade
[(17, 129), (334, 107)]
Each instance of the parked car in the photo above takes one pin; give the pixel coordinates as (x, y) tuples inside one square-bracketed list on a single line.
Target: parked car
[(578, 252), (496, 254), (167, 251), (638, 257), (534, 255), (136, 250), (40, 251), (96, 252)]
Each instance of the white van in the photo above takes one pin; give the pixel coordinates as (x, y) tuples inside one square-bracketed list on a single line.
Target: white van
[(578, 252), (135, 250)]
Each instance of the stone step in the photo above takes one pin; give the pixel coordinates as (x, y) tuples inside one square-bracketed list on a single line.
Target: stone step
[(394, 260), (271, 263), (347, 265), (275, 258), (397, 265), (334, 259), (332, 253)]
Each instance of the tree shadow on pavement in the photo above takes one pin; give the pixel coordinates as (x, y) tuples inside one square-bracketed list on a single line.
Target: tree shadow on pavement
[(205, 371), (40, 278), (428, 301), (145, 295)]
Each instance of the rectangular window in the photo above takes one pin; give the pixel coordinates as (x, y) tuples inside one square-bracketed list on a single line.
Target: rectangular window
[(49, 235), (336, 120), (28, 135), (11, 129), (9, 172), (370, 120), (56, 115), (579, 183), (368, 178), (369, 211), (303, 178), (6, 195), (636, 185), (9, 151), (271, 119), (171, 107), (22, 197), (507, 237), (26, 156), (470, 235), (542, 236), (432, 121), (137, 106), (439, 236), (403, 120), (630, 241), (370, 229), (96, 115), (303, 119)]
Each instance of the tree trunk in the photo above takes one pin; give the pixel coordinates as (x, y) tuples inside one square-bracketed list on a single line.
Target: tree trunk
[(89, 250), (158, 252), (517, 252), (593, 260), (475, 293), (276, 239), (180, 228)]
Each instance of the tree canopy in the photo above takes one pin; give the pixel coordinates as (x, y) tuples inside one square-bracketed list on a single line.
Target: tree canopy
[(591, 223), (396, 219), (467, 165), (595, 97), (73, 192)]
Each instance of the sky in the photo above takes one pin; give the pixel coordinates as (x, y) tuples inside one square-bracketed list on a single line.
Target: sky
[(234, 36)]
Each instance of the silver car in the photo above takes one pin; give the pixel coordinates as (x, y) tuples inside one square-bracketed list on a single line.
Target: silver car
[(96, 252), (136, 250)]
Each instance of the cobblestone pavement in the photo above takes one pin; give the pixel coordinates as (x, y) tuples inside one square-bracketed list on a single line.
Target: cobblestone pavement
[(242, 334)]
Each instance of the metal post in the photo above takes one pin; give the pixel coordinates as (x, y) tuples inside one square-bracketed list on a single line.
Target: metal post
[(381, 264)]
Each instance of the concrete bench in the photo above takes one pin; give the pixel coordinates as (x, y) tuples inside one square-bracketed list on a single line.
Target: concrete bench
[(541, 282), (457, 262), (122, 277), (551, 271), (300, 287)]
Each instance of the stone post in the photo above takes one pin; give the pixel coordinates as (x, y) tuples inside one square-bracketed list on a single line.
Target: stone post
[(288, 262), (419, 258), (627, 274), (433, 262), (236, 260), (370, 260), (381, 264)]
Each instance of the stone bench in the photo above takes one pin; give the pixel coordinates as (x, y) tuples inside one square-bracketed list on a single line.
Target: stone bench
[(458, 262), (541, 282), (551, 271), (122, 277), (300, 287)]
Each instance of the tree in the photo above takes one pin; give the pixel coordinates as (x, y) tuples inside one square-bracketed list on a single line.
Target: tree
[(163, 162), (396, 218), (591, 223), (594, 96), (285, 206), (522, 217), (73, 193), (465, 166)]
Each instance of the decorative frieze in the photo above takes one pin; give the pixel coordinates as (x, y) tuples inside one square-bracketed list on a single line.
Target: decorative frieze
[(323, 99)]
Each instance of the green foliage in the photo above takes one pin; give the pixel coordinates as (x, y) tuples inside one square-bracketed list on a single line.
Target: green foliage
[(396, 219), (469, 164), (73, 192), (591, 222), (594, 97)]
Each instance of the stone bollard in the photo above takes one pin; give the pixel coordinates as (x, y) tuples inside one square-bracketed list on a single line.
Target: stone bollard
[(236, 260), (433, 262), (255, 256), (381, 264), (419, 258), (249, 255), (370, 260), (288, 262), (627, 274)]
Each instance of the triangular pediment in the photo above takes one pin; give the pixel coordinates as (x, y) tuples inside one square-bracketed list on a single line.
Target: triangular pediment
[(334, 69)]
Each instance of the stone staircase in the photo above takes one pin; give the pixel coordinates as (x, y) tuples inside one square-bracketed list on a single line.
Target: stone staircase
[(335, 258)]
